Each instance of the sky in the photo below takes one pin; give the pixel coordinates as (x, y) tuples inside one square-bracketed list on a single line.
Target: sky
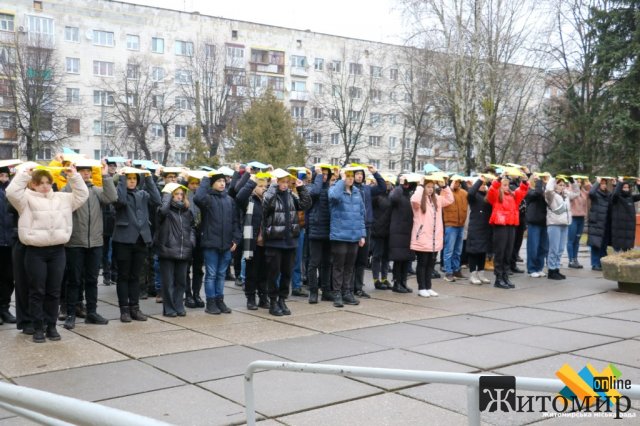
[(377, 20)]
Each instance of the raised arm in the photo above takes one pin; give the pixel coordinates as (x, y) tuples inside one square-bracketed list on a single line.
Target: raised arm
[(79, 191), (201, 197), (152, 189), (335, 192), (16, 190)]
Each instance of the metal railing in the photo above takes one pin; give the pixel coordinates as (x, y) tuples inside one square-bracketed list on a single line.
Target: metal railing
[(50, 409), (471, 381)]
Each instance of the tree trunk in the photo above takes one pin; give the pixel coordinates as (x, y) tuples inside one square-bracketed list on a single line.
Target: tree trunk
[(167, 145)]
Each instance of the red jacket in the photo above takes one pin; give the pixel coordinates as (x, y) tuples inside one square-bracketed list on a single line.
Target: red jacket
[(506, 213)]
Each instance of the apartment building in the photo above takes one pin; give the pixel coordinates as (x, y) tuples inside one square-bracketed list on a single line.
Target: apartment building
[(97, 41)]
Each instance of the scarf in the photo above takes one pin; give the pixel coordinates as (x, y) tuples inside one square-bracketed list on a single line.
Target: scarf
[(247, 232)]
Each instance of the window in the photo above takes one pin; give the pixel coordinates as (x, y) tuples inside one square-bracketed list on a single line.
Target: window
[(183, 76), (157, 155), (6, 22), (235, 52), (392, 142), (376, 95), (355, 92), (73, 95), (102, 97), (210, 50), (393, 74), (72, 34), (393, 118), (157, 74), (407, 143), (408, 97), (392, 96), (335, 138), (43, 154), (316, 113), (234, 34), (355, 69), (406, 165), (375, 118), (103, 38), (355, 115), (376, 72), (180, 131), (133, 71), (355, 160), (335, 161), (103, 127), (72, 65), (157, 130), (297, 111), (133, 42), (298, 86), (102, 68), (41, 29), (157, 45), (157, 101), (375, 141), (182, 103), (37, 5), (318, 88), (336, 66), (132, 99), (73, 126), (335, 114), (298, 61), (181, 157), (392, 165), (183, 48), (318, 64), (316, 160), (316, 138), (374, 163)]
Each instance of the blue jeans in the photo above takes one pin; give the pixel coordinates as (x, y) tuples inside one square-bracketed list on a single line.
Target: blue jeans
[(537, 247), (452, 248), (557, 243), (156, 268), (575, 232), (296, 276), (597, 253), (216, 263)]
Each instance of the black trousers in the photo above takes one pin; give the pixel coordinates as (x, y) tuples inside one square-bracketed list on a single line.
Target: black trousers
[(279, 263), (255, 279), (109, 264), (45, 268), (83, 265), (131, 258), (424, 268), (503, 243), (476, 261), (361, 263), (6, 276), (22, 286), (174, 281), (237, 260), (344, 260), (194, 280), (319, 272), (401, 271), (380, 258), (517, 241)]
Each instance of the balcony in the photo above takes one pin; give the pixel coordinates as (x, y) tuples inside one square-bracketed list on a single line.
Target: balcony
[(298, 96), (267, 68), (9, 134), (299, 71), (231, 62)]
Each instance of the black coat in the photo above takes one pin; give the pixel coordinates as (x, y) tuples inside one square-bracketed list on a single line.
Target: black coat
[(319, 216), (175, 236), (220, 227), (8, 220), (132, 211), (280, 225), (401, 224), (243, 196), (536, 205), (623, 219), (599, 217), (381, 216), (479, 233)]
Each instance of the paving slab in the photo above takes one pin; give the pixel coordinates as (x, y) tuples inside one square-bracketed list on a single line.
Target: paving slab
[(528, 315), (197, 318), (626, 352), (331, 322), (554, 339), (297, 308), (387, 409), (72, 351), (185, 405), (280, 392), (262, 330), (104, 381), (603, 326), (469, 324), (631, 315), (399, 335), (481, 352), (395, 311), (317, 348), (597, 304), (209, 364), (540, 292), (400, 359), (458, 305)]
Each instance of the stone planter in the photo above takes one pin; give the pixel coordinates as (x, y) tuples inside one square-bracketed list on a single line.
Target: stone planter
[(625, 269)]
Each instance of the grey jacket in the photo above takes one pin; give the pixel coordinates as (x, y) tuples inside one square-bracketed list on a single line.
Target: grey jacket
[(558, 205), (87, 220)]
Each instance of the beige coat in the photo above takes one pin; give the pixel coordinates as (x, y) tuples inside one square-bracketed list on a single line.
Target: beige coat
[(45, 219)]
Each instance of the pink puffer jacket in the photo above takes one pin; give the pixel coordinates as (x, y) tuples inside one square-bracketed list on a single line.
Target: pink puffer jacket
[(428, 229)]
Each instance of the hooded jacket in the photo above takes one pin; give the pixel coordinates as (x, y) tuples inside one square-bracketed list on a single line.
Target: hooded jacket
[(623, 218), (220, 227), (45, 219), (507, 211), (347, 213), (175, 236), (133, 218), (427, 233)]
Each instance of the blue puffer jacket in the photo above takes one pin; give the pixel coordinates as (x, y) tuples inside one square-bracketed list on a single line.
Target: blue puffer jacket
[(219, 228), (347, 214), (318, 216), (8, 220), (368, 192)]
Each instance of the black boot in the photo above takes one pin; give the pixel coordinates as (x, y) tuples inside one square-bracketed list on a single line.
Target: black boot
[(251, 303), (198, 300), (52, 333), (274, 307), (499, 283), (337, 299), (398, 287), (406, 287), (507, 281), (95, 318), (189, 302), (70, 322), (327, 296), (561, 275), (554, 274), (212, 306), (263, 302), (38, 336), (313, 297), (377, 284), (136, 313), (62, 315), (283, 306), (386, 284), (221, 305), (6, 316), (348, 299), (125, 314)]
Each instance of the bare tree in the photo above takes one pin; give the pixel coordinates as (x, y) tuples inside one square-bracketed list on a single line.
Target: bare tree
[(166, 113), (31, 77)]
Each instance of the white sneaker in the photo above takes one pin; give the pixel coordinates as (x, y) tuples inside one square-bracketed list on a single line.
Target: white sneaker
[(542, 274), (475, 279), (483, 279), (535, 275), (432, 293), (424, 293)]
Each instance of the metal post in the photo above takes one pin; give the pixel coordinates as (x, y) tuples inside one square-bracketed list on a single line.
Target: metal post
[(473, 405), (249, 397)]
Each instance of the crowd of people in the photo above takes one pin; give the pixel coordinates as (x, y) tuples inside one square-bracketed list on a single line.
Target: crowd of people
[(166, 231)]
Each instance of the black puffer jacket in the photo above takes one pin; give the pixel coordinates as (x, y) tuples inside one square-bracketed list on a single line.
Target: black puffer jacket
[(599, 217), (175, 235), (381, 216), (243, 197), (318, 216), (220, 227), (401, 224), (479, 234), (8, 219), (132, 211), (623, 218), (536, 205), (280, 225)]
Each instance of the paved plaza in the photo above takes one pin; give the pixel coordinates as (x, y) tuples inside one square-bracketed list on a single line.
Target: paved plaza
[(188, 371)]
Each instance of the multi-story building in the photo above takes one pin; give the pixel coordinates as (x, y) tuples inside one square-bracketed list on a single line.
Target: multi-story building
[(98, 41)]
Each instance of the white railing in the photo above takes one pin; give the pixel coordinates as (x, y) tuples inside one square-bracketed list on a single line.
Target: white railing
[(50, 409), (471, 381)]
